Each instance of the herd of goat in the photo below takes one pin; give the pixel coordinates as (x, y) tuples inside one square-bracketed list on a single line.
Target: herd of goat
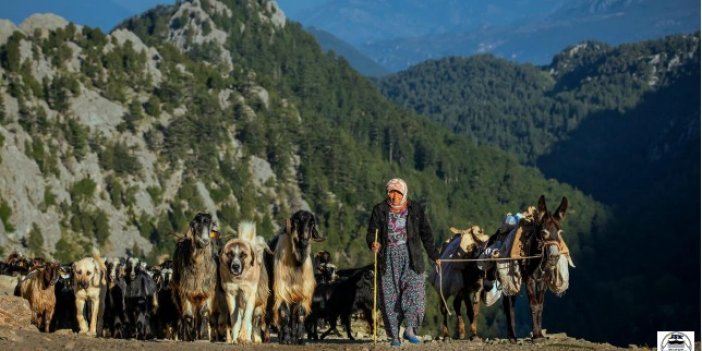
[(240, 290), (210, 290)]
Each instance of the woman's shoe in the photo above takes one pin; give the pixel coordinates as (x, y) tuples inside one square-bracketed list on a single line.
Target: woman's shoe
[(395, 343), (411, 338)]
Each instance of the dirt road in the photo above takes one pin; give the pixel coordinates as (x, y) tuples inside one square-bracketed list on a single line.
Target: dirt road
[(15, 339)]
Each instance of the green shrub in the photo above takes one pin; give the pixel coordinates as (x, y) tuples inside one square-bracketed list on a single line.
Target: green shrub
[(49, 198), (156, 194), (70, 248), (118, 157), (5, 213), (36, 241), (82, 190)]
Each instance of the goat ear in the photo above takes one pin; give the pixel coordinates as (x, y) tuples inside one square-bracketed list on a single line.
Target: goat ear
[(253, 257), (288, 226), (315, 234)]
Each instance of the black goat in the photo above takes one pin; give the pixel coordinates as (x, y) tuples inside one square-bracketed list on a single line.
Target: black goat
[(347, 296), (65, 312), (115, 319), (167, 316), (139, 299)]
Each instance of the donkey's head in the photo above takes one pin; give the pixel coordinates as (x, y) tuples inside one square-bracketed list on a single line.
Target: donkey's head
[(556, 256)]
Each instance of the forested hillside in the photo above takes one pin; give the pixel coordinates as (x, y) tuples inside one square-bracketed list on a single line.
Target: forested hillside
[(527, 109), (622, 125), (116, 140)]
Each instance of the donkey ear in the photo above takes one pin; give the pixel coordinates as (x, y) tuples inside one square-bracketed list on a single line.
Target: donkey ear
[(541, 208), (561, 210)]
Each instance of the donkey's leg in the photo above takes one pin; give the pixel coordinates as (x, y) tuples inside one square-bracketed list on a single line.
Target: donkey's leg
[(444, 321), (473, 310), (535, 292), (460, 331), (508, 305)]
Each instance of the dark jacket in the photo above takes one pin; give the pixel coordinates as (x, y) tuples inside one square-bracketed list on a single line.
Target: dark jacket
[(418, 233)]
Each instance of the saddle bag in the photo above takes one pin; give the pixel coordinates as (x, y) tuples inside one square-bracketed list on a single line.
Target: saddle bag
[(559, 281), (451, 280)]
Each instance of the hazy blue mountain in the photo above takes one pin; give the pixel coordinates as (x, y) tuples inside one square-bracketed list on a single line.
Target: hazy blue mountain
[(367, 21), (360, 62), (397, 34)]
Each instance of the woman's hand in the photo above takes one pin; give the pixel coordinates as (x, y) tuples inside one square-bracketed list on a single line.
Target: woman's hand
[(375, 247)]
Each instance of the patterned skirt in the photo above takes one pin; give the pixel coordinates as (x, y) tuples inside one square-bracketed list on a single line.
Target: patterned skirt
[(401, 292)]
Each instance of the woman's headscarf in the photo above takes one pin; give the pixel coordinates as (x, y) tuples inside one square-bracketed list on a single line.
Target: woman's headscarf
[(400, 186)]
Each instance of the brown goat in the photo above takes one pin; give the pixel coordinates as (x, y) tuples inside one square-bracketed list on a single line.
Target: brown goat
[(293, 277), (38, 289), (195, 277)]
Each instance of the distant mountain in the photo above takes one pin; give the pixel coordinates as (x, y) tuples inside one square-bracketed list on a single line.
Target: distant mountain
[(527, 109), (356, 59), (361, 22), (398, 34)]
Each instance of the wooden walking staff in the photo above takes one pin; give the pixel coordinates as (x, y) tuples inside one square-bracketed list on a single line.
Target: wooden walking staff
[(375, 291)]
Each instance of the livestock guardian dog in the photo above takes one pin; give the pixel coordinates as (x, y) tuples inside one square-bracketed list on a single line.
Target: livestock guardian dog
[(293, 277), (195, 277), (90, 285), (240, 271)]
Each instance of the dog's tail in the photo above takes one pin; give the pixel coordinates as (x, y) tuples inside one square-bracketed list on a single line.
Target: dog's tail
[(247, 231), (260, 246), (98, 260)]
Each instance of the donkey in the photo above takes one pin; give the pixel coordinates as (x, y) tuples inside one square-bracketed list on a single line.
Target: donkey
[(461, 279), (542, 236)]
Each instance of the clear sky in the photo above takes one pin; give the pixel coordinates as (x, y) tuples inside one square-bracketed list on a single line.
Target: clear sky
[(108, 13)]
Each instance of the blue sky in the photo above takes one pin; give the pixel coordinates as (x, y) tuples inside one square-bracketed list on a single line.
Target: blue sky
[(95, 13), (108, 13)]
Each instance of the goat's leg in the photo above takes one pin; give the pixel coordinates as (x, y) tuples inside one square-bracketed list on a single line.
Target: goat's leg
[(47, 319), (204, 327), (187, 322), (299, 323), (332, 326), (82, 324), (346, 320), (284, 319)]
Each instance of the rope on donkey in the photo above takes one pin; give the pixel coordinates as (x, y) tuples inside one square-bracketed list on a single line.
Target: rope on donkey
[(493, 259)]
